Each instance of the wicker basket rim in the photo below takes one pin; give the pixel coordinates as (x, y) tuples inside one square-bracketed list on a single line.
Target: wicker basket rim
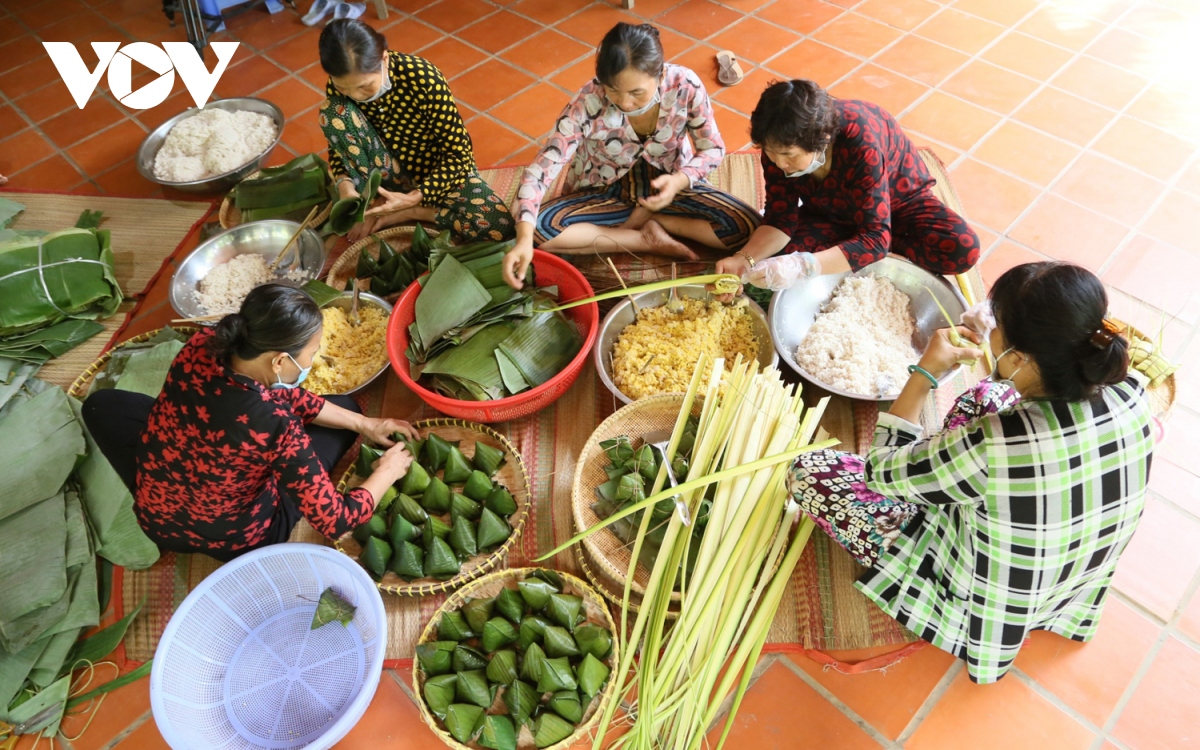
[(349, 257), (486, 564), (225, 214), (458, 598), (85, 378)]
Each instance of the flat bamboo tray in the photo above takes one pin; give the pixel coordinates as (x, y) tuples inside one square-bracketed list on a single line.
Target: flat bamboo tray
[(80, 387), (230, 215), (512, 475), (345, 267), (597, 614)]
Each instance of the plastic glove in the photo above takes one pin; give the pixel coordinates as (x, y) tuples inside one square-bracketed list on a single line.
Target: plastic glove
[(782, 271), (980, 318)]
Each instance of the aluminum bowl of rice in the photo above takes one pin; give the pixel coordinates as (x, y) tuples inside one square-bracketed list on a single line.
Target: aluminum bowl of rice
[(231, 139), (351, 358), (882, 323), (214, 278), (660, 353)]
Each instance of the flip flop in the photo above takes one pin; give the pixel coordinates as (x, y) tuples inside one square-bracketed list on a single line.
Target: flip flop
[(730, 73)]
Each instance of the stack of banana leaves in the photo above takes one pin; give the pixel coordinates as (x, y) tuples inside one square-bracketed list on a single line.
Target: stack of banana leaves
[(391, 272), (476, 339), (57, 513), (631, 473), (54, 286), (284, 192)]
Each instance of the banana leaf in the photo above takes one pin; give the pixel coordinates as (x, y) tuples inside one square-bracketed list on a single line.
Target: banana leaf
[(478, 612), (321, 292), (376, 555), (434, 527), (409, 560), (487, 459), (450, 297), (437, 496), (421, 245), (291, 186), (550, 729), (618, 449), (502, 669), (500, 501), (9, 211), (297, 211), (410, 510), (631, 488), (50, 664), (472, 362), (109, 505), (510, 374), (556, 674), (464, 721), (594, 640), (348, 212), (73, 266), (478, 486), (42, 345), (453, 627), (415, 481), (549, 576), (332, 608), (492, 531), (440, 560), (402, 531), (367, 456), (434, 453), (531, 666), (458, 470), (367, 264), (439, 693), (49, 704), (385, 502), (376, 525), (558, 642), (466, 658), (542, 346), (566, 704), (15, 668), (436, 657), (462, 538), (565, 610), (521, 699), (40, 442), (498, 733), (34, 574), (473, 688), (462, 506), (531, 631), (592, 675), (510, 604), (146, 371), (536, 593), (498, 632)]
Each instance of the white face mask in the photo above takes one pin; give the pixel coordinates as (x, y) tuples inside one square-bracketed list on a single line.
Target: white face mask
[(643, 110), (384, 87), (995, 375), (817, 162), (279, 384)]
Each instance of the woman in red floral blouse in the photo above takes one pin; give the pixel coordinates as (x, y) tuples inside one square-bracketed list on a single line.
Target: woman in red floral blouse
[(845, 186), (233, 452)]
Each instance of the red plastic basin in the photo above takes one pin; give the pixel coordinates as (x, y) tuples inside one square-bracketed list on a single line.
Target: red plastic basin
[(549, 270)]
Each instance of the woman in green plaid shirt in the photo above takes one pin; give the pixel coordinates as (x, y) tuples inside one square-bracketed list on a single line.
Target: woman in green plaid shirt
[(1013, 517)]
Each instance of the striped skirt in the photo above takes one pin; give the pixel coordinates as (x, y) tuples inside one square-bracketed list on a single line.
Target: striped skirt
[(732, 220)]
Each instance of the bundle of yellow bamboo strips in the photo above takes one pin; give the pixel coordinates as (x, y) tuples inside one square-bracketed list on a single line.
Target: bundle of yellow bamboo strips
[(750, 430)]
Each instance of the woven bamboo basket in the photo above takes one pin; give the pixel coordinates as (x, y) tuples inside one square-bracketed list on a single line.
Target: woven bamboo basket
[(604, 552), (344, 268), (612, 590), (597, 614), (230, 215), (1162, 397), (80, 387), (512, 475)]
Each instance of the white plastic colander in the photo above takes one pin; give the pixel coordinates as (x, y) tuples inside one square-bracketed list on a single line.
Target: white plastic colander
[(238, 667)]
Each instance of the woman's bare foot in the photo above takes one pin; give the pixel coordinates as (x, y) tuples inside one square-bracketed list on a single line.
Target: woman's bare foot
[(661, 243)]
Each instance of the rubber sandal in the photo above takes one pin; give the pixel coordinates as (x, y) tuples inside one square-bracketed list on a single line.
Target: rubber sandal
[(730, 73)]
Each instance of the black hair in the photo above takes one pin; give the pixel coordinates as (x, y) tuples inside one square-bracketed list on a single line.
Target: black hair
[(629, 45), (1054, 312), (794, 113), (348, 46), (273, 318)]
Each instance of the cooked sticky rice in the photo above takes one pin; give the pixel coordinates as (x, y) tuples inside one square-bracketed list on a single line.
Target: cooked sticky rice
[(659, 351), (212, 142), (862, 341), (225, 286), (349, 356)]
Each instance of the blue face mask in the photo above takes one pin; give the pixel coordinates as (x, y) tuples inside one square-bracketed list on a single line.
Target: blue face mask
[(817, 162), (299, 379)]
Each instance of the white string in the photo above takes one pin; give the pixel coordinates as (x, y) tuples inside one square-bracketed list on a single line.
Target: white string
[(42, 275)]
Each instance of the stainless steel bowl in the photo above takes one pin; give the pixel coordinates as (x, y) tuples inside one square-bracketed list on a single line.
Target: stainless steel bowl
[(266, 238), (792, 312), (623, 314), (218, 183), (364, 300)]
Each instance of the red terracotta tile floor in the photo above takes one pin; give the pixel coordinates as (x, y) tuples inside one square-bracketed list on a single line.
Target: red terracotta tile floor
[(1071, 129)]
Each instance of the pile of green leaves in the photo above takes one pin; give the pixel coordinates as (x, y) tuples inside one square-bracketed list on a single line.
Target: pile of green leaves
[(446, 510), (474, 338), (288, 191), (631, 474), (526, 657)]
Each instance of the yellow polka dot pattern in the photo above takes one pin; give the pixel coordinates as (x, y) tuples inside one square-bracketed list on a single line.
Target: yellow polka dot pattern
[(418, 121)]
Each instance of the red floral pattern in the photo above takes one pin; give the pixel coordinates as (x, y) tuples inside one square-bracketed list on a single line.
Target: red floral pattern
[(218, 450), (877, 198)]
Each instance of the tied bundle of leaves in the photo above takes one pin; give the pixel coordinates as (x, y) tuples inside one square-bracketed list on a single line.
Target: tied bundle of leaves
[(332, 608), (428, 525), (284, 192), (474, 338), (512, 679)]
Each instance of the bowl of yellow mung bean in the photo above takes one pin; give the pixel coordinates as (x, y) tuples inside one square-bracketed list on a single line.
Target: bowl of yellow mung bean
[(350, 357), (644, 348)]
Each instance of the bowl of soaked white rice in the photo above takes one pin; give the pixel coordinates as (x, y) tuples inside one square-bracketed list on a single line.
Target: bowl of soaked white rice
[(209, 150), (215, 277), (855, 334)]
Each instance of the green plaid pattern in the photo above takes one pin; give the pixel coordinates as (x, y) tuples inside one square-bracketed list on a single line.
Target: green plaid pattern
[(1025, 514)]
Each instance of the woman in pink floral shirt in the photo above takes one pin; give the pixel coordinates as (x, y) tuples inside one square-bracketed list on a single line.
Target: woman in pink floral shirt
[(646, 139)]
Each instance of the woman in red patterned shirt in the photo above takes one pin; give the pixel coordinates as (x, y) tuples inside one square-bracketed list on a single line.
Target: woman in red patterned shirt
[(845, 187), (233, 451)]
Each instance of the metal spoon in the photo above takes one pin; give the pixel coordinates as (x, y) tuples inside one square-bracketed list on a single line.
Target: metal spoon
[(674, 304), (354, 318)]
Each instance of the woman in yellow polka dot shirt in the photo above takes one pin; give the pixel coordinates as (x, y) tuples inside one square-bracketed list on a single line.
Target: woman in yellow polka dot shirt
[(394, 113)]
